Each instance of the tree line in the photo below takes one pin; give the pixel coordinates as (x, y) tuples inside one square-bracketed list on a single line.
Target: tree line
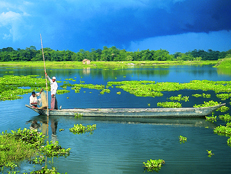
[(107, 54)]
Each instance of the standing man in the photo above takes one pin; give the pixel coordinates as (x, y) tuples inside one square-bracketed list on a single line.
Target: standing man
[(54, 87)]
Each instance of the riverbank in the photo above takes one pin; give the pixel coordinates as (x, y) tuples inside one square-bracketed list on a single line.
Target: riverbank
[(103, 64)]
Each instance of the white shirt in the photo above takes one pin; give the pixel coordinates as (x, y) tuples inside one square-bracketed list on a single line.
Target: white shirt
[(54, 86), (34, 99)]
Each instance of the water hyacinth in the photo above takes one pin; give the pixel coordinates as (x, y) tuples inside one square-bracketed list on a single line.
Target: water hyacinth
[(169, 104), (207, 104), (80, 129), (211, 119), (229, 141), (179, 98), (153, 165), (105, 90), (225, 117), (12, 86), (182, 139), (225, 130)]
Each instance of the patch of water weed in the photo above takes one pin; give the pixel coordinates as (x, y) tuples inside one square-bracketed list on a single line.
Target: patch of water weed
[(105, 90), (225, 117), (80, 129), (211, 119), (222, 130), (62, 91), (45, 170), (78, 115), (12, 86), (207, 104), (209, 153), (28, 145), (152, 89), (229, 141), (224, 96), (182, 139), (153, 165), (179, 98), (169, 104)]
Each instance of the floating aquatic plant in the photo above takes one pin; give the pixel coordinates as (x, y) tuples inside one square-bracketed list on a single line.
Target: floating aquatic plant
[(210, 153), (211, 119), (169, 104), (206, 95), (207, 104), (105, 90), (62, 91), (223, 130), (78, 115), (80, 129), (153, 165), (223, 108), (182, 139), (224, 96), (225, 117), (26, 144), (179, 98), (118, 92), (229, 141), (197, 95)]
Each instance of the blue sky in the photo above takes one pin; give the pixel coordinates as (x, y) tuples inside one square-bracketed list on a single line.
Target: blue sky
[(173, 25)]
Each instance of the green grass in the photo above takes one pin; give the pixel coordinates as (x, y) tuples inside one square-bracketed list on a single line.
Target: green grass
[(102, 64)]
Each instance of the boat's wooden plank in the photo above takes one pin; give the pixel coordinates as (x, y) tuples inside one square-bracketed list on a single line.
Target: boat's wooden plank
[(133, 112)]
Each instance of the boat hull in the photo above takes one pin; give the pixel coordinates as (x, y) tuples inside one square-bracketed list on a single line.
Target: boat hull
[(131, 112)]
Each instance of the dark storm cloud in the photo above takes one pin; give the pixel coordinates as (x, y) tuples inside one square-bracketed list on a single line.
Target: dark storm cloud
[(90, 24)]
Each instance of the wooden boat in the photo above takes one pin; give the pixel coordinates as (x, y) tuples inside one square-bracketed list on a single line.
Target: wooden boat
[(131, 112)]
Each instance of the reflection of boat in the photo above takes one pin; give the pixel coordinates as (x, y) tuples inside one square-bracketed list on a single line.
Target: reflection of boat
[(132, 112), (189, 122)]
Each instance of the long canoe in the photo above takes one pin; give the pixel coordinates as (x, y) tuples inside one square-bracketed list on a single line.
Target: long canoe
[(131, 112)]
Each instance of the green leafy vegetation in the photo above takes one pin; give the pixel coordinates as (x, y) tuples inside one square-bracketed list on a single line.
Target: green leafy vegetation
[(207, 104), (62, 91), (78, 115), (223, 130), (179, 98), (182, 139), (211, 119), (225, 117), (169, 104), (153, 165), (28, 145), (80, 129), (209, 153), (107, 54), (229, 141), (12, 86), (105, 90)]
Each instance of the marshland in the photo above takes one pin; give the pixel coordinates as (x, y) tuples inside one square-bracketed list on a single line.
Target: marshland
[(119, 145)]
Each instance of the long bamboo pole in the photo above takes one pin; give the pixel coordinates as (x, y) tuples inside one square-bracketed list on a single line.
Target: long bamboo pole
[(46, 82)]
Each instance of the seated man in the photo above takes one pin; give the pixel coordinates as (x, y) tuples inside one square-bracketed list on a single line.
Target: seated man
[(34, 101)]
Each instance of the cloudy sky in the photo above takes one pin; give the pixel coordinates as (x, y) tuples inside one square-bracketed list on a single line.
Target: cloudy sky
[(173, 25)]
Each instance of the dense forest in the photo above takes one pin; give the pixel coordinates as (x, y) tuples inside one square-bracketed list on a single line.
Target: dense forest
[(107, 54)]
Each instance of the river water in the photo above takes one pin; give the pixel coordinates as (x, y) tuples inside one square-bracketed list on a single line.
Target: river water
[(121, 145)]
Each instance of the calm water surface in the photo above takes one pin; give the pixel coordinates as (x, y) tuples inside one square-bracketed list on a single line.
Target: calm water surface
[(122, 145)]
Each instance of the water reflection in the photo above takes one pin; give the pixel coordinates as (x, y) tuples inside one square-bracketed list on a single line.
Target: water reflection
[(224, 71), (40, 123)]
